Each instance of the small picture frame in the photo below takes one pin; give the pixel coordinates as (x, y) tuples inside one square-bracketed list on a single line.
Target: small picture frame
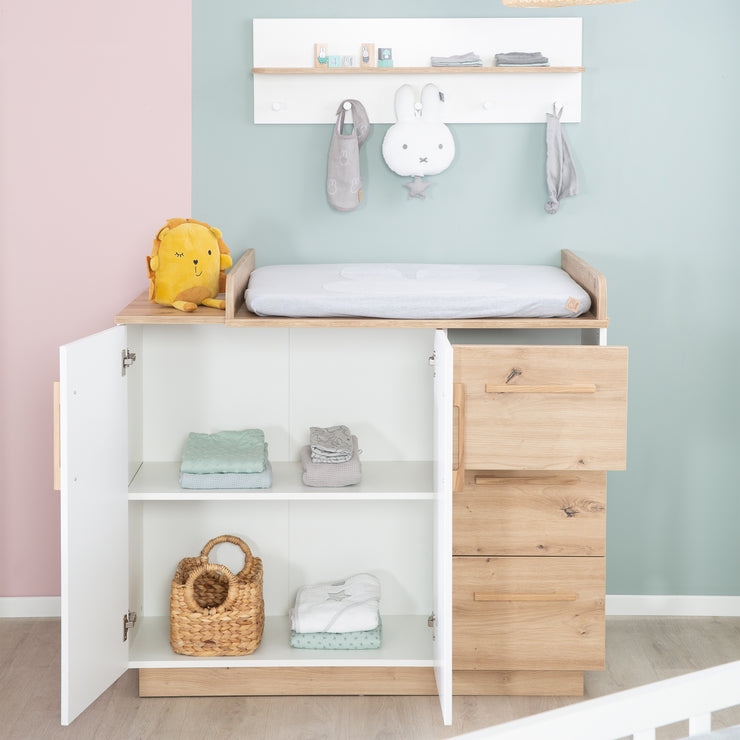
[(348, 60), (320, 55), (367, 55), (335, 60)]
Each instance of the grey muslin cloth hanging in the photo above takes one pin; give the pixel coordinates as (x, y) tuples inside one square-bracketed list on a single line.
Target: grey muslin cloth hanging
[(562, 180), (343, 179)]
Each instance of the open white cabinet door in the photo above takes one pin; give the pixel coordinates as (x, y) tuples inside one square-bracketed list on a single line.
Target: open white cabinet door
[(94, 517), (443, 521)]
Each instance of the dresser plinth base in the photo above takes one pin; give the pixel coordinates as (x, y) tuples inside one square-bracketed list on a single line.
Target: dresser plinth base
[(517, 683), (332, 681)]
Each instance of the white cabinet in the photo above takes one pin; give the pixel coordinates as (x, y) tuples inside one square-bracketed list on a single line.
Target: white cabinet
[(126, 522)]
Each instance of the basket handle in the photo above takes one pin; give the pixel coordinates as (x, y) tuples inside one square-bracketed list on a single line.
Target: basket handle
[(248, 557), (204, 568)]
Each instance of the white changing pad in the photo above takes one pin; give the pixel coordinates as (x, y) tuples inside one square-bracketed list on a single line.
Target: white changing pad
[(415, 291)]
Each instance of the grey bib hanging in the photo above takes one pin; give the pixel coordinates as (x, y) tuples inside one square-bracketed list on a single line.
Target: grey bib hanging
[(562, 180), (343, 179)]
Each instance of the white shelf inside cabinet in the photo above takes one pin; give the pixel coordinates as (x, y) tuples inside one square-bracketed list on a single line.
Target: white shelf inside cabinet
[(382, 481), (407, 642)]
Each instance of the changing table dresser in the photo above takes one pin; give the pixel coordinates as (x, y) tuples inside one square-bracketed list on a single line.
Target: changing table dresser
[(482, 507)]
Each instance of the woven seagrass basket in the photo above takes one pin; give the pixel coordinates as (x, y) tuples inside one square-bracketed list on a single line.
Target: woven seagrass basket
[(213, 611)]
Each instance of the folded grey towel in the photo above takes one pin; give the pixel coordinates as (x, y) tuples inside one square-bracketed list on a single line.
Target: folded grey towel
[(330, 444), (471, 59), (521, 57), (524, 64), (321, 475)]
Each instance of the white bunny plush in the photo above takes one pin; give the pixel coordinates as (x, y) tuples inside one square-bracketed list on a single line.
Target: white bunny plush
[(418, 144)]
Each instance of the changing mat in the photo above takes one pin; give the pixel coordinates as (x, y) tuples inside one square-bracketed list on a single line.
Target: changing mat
[(415, 291)]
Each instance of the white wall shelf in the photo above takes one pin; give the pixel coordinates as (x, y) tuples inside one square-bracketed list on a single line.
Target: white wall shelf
[(288, 88), (414, 70)]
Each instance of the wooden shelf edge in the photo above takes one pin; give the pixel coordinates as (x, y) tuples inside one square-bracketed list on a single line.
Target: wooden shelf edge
[(414, 70)]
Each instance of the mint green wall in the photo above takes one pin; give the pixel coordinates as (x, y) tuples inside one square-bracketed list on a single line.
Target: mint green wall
[(658, 157)]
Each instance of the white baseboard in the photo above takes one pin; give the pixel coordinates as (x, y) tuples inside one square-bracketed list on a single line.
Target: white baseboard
[(617, 605), (30, 606), (672, 606)]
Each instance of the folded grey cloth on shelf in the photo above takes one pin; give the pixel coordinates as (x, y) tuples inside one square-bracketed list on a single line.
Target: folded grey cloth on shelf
[(336, 475), (521, 58), (330, 444), (471, 59)]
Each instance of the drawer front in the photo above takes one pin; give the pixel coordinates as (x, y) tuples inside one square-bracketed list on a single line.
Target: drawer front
[(528, 613), (543, 408), (530, 513)]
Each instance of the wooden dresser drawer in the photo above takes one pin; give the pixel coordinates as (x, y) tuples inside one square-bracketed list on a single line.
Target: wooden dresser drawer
[(526, 613), (530, 513), (542, 408)]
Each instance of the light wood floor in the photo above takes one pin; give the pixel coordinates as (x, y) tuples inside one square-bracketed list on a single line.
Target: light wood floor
[(639, 651)]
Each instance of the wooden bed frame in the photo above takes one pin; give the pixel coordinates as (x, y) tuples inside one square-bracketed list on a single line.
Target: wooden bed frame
[(143, 311)]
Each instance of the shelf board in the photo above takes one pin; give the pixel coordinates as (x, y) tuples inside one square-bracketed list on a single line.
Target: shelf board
[(143, 311), (381, 481), (413, 70), (407, 641)]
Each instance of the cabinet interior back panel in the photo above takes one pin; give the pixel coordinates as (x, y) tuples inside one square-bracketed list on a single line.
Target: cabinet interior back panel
[(205, 379), (299, 543)]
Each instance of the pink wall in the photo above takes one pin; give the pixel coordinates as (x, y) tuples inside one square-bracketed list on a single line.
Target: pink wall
[(95, 101)]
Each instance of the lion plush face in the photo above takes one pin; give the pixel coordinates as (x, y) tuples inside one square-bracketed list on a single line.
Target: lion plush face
[(186, 265)]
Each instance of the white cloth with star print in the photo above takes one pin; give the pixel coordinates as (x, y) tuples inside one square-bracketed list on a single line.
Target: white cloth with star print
[(350, 605)]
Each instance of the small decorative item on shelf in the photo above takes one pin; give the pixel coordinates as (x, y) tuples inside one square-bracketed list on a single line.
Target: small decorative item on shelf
[(214, 612), (320, 55), (385, 57), (348, 60), (335, 60), (367, 55)]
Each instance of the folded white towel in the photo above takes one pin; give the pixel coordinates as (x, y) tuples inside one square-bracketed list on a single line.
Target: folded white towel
[(350, 605)]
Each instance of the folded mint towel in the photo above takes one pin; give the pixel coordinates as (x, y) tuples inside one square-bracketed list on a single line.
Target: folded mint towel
[(212, 481), (241, 451), (363, 640)]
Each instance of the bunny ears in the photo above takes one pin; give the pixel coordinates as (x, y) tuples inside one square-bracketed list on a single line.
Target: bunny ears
[(405, 103)]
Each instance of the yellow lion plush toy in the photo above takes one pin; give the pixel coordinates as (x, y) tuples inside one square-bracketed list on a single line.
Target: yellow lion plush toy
[(187, 265)]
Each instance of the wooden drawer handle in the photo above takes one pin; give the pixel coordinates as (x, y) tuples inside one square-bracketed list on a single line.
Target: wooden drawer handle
[(585, 388), (492, 596), (458, 469)]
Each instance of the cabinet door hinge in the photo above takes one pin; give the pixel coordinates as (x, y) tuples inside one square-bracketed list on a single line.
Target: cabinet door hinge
[(432, 622), (127, 359), (129, 622)]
